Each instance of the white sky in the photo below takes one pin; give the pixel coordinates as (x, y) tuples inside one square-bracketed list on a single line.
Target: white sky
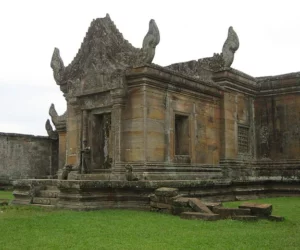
[(268, 32)]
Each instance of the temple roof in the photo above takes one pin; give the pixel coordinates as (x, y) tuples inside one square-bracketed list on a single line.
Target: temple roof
[(104, 50)]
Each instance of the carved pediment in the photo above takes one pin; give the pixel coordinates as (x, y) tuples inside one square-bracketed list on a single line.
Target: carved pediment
[(103, 52)]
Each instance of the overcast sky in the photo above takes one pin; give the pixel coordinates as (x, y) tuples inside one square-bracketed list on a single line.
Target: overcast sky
[(268, 32)]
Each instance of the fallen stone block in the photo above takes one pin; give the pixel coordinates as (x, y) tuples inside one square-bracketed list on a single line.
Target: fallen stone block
[(245, 218), (153, 198), (199, 216), (198, 206), (165, 191), (229, 212), (258, 209), (211, 205), (44, 201), (163, 199), (275, 218), (180, 210), (181, 202), (160, 205)]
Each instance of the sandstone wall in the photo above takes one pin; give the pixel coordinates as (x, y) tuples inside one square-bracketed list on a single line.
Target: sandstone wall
[(238, 133), (278, 126), (27, 156), (148, 133)]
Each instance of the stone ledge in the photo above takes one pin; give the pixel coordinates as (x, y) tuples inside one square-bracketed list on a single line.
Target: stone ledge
[(199, 216)]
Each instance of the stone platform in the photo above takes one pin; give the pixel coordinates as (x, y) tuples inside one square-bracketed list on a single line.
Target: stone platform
[(93, 194)]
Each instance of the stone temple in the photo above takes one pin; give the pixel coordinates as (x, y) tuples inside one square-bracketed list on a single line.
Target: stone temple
[(132, 126)]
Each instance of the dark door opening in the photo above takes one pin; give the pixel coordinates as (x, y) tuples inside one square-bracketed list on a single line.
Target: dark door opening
[(101, 141)]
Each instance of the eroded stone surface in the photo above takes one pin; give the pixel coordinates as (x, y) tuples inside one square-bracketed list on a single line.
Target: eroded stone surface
[(166, 192), (198, 206), (132, 127), (275, 218), (230, 212), (199, 216), (245, 217), (258, 209)]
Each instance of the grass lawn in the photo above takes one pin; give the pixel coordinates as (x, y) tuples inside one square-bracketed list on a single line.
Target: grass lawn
[(36, 228), (6, 195)]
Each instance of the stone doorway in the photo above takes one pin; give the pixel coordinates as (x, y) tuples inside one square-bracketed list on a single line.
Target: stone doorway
[(101, 149)]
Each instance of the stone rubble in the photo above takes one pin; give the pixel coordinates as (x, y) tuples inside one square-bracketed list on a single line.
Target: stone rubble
[(168, 200)]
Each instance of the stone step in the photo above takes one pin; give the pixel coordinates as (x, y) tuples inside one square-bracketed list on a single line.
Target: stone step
[(198, 206), (258, 209), (211, 205), (52, 188), (44, 201), (48, 193), (199, 216), (181, 202), (160, 205), (225, 212), (275, 218), (166, 192), (41, 205), (245, 218)]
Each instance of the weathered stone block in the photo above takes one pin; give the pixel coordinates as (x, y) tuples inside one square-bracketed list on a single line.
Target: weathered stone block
[(245, 218), (49, 193), (258, 209), (229, 212), (211, 205), (199, 216), (180, 210), (162, 199), (160, 205), (275, 218), (153, 198), (44, 201), (198, 206), (181, 202), (165, 191)]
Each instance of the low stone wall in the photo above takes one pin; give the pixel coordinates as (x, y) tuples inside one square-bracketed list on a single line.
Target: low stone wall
[(93, 195), (261, 169), (27, 156)]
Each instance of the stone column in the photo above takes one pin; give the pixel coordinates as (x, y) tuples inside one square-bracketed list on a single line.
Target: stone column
[(116, 123), (74, 134), (228, 126), (62, 133)]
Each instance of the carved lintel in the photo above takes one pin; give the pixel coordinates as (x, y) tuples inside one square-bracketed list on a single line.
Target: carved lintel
[(51, 133), (230, 46), (118, 95)]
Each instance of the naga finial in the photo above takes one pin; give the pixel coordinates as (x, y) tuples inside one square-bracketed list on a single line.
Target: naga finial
[(230, 46), (51, 133), (58, 67), (53, 114), (150, 42)]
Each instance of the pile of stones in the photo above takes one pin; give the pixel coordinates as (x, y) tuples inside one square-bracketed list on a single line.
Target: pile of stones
[(167, 200)]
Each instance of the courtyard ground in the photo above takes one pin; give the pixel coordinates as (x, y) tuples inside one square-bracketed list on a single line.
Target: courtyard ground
[(26, 227)]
